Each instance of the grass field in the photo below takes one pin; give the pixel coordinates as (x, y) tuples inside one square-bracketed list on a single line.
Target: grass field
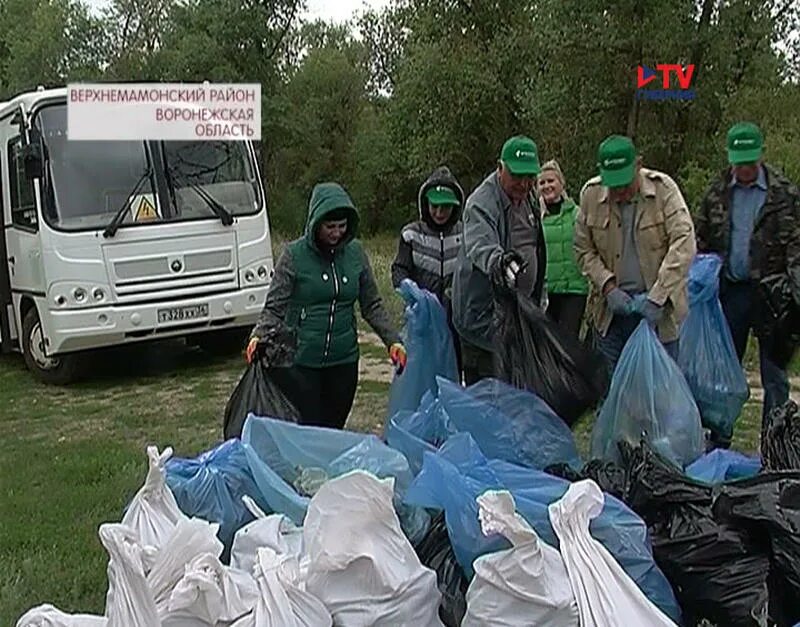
[(71, 458)]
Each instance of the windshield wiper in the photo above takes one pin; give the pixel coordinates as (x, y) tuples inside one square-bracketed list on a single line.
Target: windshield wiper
[(221, 212), (116, 221)]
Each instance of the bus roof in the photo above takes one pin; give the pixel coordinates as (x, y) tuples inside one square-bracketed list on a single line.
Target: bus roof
[(29, 98)]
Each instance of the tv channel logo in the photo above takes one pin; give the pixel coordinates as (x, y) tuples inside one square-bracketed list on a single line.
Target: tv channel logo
[(683, 73)]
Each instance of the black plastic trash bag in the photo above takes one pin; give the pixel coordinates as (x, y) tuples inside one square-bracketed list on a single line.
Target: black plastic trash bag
[(777, 319), (780, 438), (769, 507), (534, 354), (256, 392), (719, 571), (436, 552), (609, 476)]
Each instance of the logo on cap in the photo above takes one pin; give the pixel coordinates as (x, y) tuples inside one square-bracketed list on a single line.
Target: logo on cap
[(744, 142), (525, 153), (616, 161)]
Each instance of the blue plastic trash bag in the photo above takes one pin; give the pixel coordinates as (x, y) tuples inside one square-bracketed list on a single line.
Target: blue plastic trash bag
[(290, 462), (723, 465), (506, 422), (413, 433), (454, 477), (649, 398), (429, 345), (706, 353), (509, 424), (211, 487)]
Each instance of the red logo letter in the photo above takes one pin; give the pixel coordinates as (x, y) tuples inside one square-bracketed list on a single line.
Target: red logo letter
[(643, 76), (685, 76)]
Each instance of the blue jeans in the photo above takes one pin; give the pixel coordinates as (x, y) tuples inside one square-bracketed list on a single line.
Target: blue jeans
[(619, 331), (737, 303)]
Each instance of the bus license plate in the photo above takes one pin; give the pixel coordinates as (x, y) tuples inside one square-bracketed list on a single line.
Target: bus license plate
[(178, 314)]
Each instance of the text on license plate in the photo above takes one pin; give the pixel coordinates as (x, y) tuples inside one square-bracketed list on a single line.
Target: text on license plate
[(176, 314)]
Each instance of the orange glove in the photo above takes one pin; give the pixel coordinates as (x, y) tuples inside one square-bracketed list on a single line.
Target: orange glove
[(250, 351), (397, 353)]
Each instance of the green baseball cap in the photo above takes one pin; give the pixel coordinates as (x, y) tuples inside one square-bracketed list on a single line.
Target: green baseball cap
[(617, 161), (441, 195), (745, 143), (521, 156)]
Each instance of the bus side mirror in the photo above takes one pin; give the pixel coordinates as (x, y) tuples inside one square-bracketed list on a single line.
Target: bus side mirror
[(31, 155)]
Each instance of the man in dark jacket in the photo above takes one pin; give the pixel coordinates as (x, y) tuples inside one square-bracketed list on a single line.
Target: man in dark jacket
[(750, 216), (428, 247), (502, 245)]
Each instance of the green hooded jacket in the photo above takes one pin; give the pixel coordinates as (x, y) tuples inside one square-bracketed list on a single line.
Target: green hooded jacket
[(314, 291), (563, 274)]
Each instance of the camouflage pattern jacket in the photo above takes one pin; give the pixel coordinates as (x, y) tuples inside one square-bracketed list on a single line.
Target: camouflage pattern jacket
[(775, 243)]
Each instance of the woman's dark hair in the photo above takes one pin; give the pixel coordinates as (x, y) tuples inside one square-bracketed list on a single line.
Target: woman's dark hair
[(336, 215)]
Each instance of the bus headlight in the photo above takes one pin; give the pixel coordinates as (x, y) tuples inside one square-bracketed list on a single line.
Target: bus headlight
[(262, 273), (249, 276), (74, 295)]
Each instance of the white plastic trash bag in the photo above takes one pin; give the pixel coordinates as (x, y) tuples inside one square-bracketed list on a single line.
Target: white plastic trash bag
[(129, 600), (153, 512), (283, 601), (360, 564), (50, 616), (191, 538), (606, 596), (213, 592), (526, 585), (276, 532)]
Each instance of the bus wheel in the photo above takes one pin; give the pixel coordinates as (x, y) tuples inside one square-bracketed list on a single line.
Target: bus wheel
[(54, 370)]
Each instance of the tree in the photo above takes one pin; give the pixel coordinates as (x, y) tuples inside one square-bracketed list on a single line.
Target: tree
[(47, 42), (135, 32)]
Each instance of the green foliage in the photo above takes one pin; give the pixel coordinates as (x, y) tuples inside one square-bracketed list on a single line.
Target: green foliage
[(378, 103), (47, 42)]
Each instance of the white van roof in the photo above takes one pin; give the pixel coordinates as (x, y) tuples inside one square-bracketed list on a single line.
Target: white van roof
[(29, 98)]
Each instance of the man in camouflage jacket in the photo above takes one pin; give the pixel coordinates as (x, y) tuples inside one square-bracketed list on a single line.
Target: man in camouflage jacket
[(750, 216)]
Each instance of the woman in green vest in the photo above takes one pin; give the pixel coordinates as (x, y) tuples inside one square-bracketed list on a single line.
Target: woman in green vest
[(566, 286), (318, 280)]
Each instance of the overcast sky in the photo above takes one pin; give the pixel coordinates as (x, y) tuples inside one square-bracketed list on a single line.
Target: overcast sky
[(330, 10)]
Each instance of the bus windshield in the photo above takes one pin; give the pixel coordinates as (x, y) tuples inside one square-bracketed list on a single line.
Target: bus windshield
[(89, 181)]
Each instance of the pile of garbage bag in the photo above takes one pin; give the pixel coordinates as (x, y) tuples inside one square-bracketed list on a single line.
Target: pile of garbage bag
[(725, 532), (453, 478), (350, 565), (509, 544)]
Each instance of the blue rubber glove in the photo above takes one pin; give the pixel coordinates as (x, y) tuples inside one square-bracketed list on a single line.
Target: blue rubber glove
[(619, 302)]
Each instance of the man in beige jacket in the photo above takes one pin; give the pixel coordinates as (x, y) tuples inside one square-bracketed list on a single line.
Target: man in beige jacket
[(634, 240)]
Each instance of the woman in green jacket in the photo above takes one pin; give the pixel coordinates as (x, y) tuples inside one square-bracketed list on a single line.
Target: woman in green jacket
[(566, 286), (317, 281)]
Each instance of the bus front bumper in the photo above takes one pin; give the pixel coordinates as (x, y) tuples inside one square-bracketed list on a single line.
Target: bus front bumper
[(81, 329)]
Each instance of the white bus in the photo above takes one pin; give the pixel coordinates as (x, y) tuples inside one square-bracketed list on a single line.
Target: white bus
[(112, 242)]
